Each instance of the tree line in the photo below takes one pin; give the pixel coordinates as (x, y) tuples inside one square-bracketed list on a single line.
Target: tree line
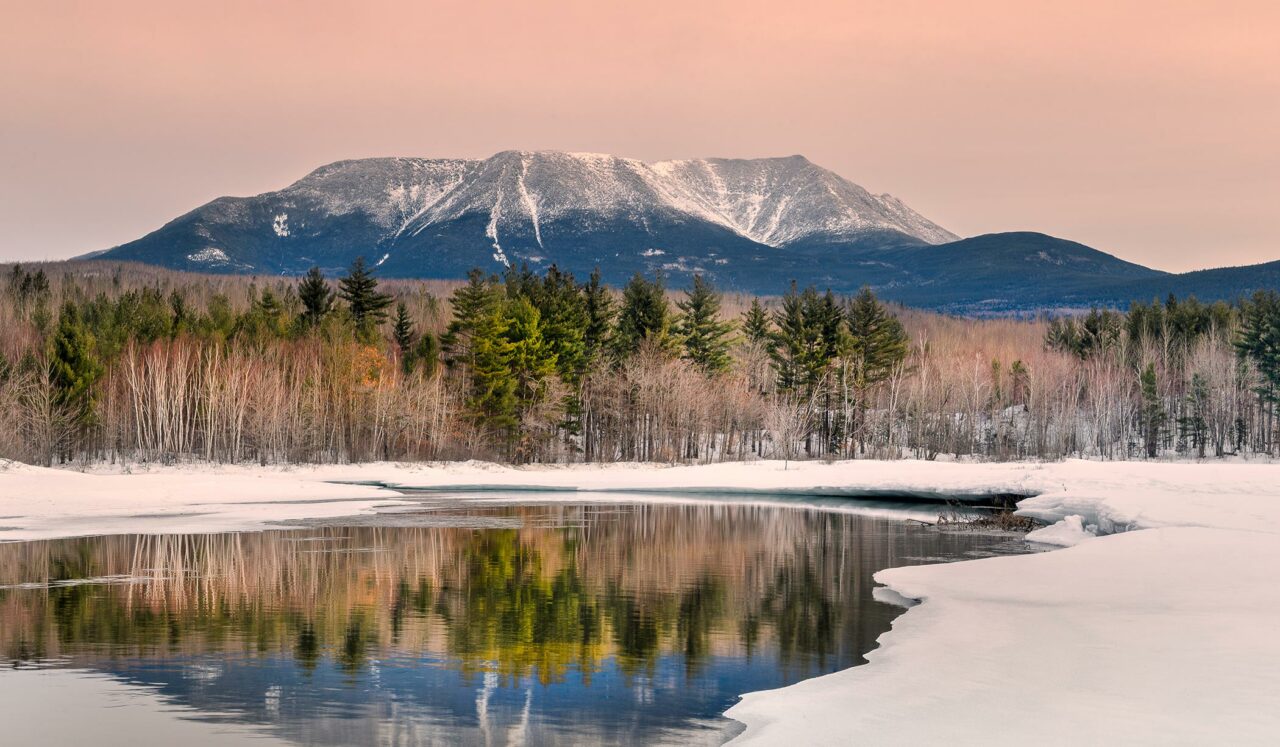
[(113, 362)]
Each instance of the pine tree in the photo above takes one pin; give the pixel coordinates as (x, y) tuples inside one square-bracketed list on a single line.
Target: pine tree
[(532, 360), (316, 296), (645, 316), (703, 337), (1153, 414), (492, 400), (877, 345), (804, 340), (878, 342), (472, 304), (564, 322), (402, 334), (74, 366), (562, 310), (598, 335), (182, 320), (359, 288), (1258, 341), (788, 342), (1192, 424), (755, 324), (426, 354)]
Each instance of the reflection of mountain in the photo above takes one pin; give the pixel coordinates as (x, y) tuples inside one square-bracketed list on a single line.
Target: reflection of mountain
[(646, 617)]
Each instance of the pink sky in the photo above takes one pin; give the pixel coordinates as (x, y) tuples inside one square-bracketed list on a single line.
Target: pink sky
[(1150, 130)]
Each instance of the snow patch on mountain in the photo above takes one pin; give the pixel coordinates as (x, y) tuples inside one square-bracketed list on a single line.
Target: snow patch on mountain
[(210, 255)]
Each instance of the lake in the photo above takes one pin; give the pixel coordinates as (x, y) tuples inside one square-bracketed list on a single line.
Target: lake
[(562, 621)]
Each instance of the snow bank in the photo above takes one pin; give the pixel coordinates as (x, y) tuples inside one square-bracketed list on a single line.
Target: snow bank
[(39, 503), (1066, 533), (1161, 636)]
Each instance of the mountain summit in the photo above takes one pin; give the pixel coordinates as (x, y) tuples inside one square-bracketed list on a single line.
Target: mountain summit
[(738, 220)]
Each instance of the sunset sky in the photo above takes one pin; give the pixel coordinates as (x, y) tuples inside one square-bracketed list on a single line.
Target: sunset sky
[(1150, 130)]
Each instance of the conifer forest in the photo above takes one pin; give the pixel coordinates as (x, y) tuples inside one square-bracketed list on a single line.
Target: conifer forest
[(125, 363)]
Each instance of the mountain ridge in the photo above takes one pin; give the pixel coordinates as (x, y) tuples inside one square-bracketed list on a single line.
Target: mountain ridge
[(747, 224)]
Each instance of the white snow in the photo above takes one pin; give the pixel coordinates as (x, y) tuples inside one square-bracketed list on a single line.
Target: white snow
[(209, 255), (280, 224), (1166, 635), (769, 200), (384, 258), (1070, 531), (1160, 629), (491, 231), (37, 503), (530, 204)]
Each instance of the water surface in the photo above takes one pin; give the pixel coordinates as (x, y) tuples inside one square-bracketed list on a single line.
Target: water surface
[(562, 622)]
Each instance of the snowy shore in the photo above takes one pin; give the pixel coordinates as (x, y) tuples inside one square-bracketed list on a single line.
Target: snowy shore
[(1162, 636), (1165, 635)]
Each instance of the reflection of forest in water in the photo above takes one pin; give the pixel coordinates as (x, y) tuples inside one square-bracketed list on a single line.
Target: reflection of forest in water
[(572, 587)]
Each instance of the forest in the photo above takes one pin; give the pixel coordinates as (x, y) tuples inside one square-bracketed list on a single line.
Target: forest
[(126, 363)]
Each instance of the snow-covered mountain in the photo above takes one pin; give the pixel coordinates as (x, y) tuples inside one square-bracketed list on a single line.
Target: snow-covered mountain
[(748, 224), (730, 218)]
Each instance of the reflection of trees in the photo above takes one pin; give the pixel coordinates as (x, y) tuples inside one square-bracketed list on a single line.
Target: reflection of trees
[(627, 583), (701, 610), (636, 632), (800, 611), (510, 610)]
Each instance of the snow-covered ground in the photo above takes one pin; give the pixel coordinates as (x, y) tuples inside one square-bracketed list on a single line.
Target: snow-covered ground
[(40, 503), (1170, 635), (1166, 635)]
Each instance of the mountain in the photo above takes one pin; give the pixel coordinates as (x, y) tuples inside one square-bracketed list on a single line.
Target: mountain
[(1220, 284), (748, 224), (1006, 272), (736, 220)]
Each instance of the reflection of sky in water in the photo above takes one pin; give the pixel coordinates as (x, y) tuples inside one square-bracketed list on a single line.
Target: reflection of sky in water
[(329, 705), (611, 623)]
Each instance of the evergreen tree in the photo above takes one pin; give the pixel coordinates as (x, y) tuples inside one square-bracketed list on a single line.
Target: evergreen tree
[(359, 288), (878, 342), (472, 304), (703, 337), (531, 359), (789, 342), (492, 401), (182, 320), (316, 297), (74, 366), (1096, 333), (402, 334), (264, 320), (1153, 414), (564, 322), (755, 324), (562, 311), (598, 335), (876, 346), (1258, 341), (1192, 424), (645, 316), (426, 354), (804, 340)]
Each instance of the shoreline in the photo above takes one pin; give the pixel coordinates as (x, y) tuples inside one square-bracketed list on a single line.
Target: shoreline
[(1158, 635)]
